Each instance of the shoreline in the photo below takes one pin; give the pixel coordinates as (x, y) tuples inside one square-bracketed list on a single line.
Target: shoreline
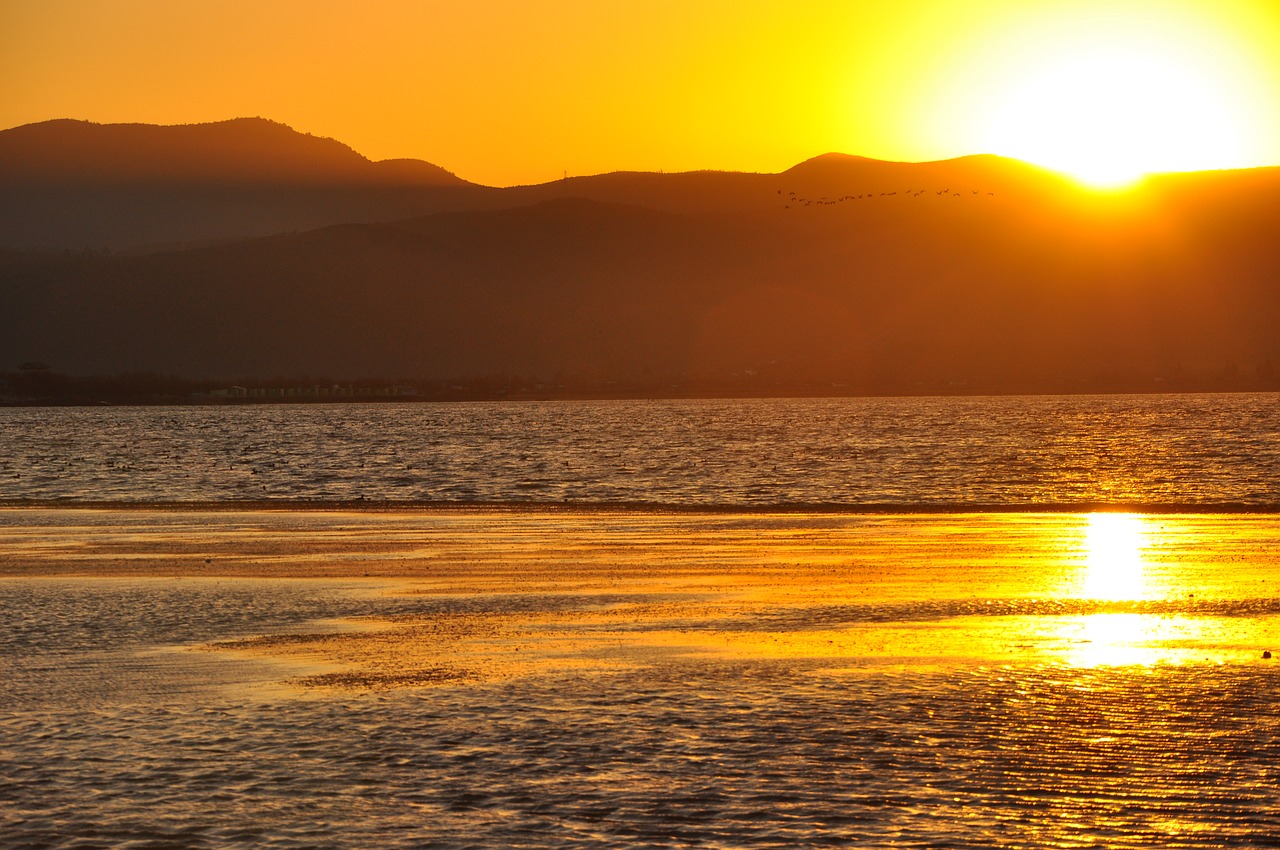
[(372, 506)]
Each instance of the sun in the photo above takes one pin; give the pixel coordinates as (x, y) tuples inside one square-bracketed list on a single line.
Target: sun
[(1108, 90), (1109, 118)]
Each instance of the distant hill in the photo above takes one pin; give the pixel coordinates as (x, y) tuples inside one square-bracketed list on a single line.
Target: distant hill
[(842, 275), (238, 151), (253, 251), (74, 184)]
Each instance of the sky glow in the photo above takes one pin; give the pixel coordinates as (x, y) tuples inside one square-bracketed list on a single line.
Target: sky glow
[(504, 92)]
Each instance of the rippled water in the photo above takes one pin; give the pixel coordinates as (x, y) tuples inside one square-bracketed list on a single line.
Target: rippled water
[(1104, 713), (1168, 449), (771, 752), (766, 759)]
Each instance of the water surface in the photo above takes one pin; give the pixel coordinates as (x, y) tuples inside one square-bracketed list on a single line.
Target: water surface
[(609, 678), (1175, 450)]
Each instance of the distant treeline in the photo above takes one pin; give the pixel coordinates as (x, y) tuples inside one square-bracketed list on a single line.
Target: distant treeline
[(44, 387)]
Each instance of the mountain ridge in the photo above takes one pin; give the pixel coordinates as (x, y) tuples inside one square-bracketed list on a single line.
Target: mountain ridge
[(238, 149), (979, 273), (72, 185), (985, 297)]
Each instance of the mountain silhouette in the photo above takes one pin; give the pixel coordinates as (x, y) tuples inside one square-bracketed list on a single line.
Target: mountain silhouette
[(841, 275), (240, 150), (77, 185), (74, 184)]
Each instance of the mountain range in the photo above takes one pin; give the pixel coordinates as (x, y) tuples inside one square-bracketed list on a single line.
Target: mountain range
[(244, 250)]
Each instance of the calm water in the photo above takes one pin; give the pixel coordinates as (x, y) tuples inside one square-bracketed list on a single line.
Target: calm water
[(1195, 450)]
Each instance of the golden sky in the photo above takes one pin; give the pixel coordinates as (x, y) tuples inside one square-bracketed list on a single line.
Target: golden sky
[(511, 91)]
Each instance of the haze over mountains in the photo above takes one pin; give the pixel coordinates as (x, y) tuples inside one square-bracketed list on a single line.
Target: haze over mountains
[(246, 250)]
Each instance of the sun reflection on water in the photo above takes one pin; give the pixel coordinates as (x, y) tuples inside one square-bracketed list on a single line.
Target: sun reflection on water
[(1116, 639), (1115, 571), (1114, 568)]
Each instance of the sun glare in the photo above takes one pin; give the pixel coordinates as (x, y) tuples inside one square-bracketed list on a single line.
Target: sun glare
[(1107, 92), (1109, 119), (1113, 546)]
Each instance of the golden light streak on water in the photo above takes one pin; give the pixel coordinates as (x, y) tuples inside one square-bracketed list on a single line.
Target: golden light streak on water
[(1117, 566), (1100, 640), (1114, 568)]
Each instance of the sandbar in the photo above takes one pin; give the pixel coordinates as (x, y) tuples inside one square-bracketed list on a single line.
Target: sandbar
[(512, 592)]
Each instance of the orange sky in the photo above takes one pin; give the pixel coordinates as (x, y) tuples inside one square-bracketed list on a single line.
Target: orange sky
[(508, 91)]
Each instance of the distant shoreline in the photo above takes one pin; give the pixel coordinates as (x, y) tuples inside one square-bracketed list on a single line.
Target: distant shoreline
[(469, 392), (427, 507)]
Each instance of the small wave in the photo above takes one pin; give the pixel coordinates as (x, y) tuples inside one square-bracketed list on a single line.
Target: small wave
[(689, 507), (1145, 454)]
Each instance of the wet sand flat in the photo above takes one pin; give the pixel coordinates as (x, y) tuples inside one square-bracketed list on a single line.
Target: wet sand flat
[(493, 594), (497, 678)]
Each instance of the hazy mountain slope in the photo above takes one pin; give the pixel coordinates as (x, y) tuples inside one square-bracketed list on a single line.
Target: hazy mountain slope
[(240, 150), (1037, 289), (73, 184), (828, 177), (842, 272)]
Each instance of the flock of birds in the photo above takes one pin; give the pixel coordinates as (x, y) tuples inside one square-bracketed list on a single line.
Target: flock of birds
[(793, 198)]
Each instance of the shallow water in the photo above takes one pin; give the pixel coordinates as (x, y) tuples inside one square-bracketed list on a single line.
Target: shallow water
[(615, 679), (1024, 451), (762, 755), (1063, 693)]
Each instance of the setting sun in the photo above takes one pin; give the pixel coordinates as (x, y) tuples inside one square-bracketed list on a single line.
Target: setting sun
[(1108, 119), (1109, 92)]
